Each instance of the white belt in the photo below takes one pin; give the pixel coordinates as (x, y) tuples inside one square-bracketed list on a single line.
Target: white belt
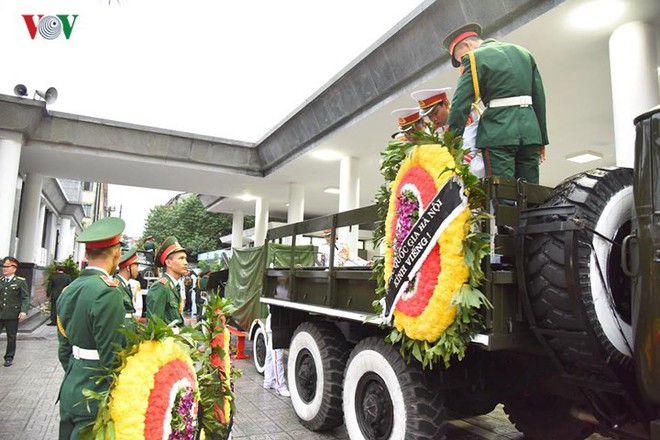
[(83, 353), (521, 101), (128, 315)]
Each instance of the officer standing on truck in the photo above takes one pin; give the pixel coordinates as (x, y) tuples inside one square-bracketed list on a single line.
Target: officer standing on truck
[(89, 312), (433, 105), (512, 131), (409, 122)]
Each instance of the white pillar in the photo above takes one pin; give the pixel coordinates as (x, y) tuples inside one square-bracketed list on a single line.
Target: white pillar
[(63, 249), (634, 76), (52, 235), (41, 257), (296, 211), (260, 221), (237, 229), (349, 198), (29, 227), (10, 156)]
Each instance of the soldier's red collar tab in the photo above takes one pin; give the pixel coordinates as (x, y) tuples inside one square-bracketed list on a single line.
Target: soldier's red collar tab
[(110, 281)]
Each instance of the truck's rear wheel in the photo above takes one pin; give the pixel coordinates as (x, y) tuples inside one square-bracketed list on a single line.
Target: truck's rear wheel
[(317, 358), (259, 350), (385, 398), (545, 417), (603, 199)]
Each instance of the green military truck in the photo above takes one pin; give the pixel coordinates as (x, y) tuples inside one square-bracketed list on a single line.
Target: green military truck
[(570, 347)]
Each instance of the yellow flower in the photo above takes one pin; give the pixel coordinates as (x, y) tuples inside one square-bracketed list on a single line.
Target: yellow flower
[(129, 398), (438, 314)]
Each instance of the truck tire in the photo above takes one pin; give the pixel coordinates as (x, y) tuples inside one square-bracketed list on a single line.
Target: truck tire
[(259, 350), (603, 199), (317, 358), (545, 417), (386, 398)]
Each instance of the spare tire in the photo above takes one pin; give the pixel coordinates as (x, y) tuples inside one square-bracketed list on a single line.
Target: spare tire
[(603, 201)]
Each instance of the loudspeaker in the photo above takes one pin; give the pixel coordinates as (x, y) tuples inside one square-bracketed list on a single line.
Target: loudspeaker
[(20, 90), (50, 95)]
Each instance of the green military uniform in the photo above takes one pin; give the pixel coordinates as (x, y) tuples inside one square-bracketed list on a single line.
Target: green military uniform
[(56, 283), (164, 300), (14, 299), (164, 296), (127, 258), (510, 134), (127, 300), (89, 312)]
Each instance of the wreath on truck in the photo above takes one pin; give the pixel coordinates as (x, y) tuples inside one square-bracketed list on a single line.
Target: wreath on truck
[(430, 209)]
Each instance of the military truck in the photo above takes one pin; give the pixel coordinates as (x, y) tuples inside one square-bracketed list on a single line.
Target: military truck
[(570, 347)]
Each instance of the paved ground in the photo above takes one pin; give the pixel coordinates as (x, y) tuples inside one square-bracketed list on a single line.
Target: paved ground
[(28, 391)]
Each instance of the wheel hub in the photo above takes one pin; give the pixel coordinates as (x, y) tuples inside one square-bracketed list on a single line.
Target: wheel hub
[(375, 414), (306, 376)]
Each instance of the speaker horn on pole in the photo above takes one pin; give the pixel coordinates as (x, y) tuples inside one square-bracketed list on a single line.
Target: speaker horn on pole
[(20, 90), (50, 95)]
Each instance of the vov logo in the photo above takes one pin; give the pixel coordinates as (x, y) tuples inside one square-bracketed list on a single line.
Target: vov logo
[(50, 26)]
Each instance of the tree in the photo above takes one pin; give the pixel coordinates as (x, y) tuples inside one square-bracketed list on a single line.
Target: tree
[(195, 228)]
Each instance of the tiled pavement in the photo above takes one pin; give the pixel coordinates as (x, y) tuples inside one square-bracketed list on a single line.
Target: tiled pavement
[(28, 391)]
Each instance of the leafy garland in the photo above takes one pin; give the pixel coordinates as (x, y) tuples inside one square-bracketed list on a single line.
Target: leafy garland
[(215, 384), (476, 245)]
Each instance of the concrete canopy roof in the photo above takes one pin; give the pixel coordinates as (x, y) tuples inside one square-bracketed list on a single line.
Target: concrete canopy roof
[(349, 115)]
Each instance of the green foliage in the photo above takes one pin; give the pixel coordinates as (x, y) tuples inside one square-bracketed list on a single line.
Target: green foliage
[(197, 339), (203, 265), (70, 268), (469, 301), (195, 228)]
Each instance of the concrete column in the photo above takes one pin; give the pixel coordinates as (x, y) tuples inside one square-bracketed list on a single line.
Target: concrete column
[(10, 154), (42, 257), (634, 86), (260, 221), (78, 250), (29, 223), (349, 198), (51, 239), (237, 229), (64, 243), (73, 245), (296, 211)]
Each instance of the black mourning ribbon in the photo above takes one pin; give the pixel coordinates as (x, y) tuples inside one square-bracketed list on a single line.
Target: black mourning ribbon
[(448, 202)]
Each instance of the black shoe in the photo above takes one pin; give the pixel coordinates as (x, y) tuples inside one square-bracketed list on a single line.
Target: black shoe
[(7, 362), (51, 323)]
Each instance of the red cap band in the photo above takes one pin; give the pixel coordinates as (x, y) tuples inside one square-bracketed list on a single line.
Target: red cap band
[(428, 102), (168, 250), (12, 263), (128, 262), (409, 119), (460, 38), (103, 243)]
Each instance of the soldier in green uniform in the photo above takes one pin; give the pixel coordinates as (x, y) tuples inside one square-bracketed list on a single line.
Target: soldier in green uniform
[(56, 283), (89, 312), (128, 270), (512, 131), (14, 304), (164, 296)]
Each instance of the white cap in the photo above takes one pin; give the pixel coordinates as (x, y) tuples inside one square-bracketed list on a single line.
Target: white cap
[(428, 98), (406, 117)]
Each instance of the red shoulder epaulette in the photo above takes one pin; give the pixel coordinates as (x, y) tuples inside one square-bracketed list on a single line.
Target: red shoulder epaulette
[(110, 281), (162, 281)]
